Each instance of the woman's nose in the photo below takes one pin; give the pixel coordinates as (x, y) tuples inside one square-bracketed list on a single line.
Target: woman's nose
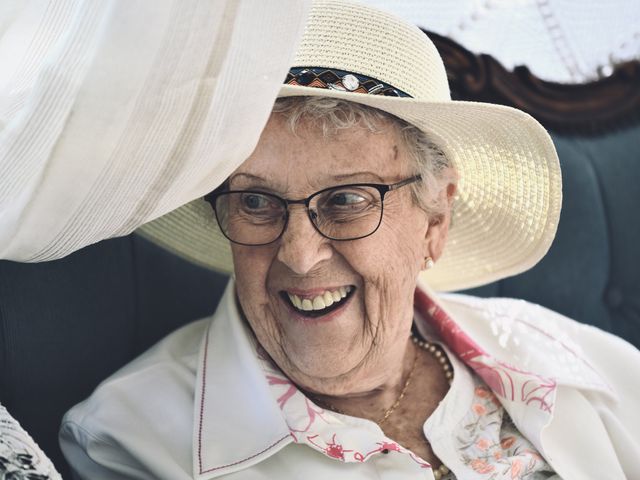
[(301, 245)]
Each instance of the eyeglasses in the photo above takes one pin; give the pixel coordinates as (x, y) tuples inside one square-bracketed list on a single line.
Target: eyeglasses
[(344, 212)]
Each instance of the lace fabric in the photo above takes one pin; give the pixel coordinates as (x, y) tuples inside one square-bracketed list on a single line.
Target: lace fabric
[(20, 456)]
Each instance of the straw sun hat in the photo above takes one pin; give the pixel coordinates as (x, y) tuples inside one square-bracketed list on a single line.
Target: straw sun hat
[(509, 191)]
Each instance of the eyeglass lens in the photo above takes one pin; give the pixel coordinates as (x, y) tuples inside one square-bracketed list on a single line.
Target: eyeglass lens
[(340, 213)]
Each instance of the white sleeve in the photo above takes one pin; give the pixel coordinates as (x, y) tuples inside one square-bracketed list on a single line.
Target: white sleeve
[(598, 377), (619, 363), (92, 458)]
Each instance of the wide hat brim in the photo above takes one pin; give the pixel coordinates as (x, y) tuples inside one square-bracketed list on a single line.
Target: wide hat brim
[(507, 204)]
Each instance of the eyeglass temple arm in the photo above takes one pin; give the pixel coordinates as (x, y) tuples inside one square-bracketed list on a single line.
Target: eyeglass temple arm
[(210, 197), (413, 179)]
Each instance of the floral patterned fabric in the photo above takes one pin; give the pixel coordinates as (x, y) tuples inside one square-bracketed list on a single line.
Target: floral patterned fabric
[(491, 446), (20, 457)]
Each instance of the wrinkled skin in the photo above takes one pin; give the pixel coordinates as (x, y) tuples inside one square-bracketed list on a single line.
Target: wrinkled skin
[(364, 347)]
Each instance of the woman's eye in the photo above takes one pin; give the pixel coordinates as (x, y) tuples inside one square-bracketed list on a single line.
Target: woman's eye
[(253, 201), (345, 199)]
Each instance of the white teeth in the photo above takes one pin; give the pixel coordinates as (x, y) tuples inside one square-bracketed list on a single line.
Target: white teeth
[(319, 302), (328, 298), (295, 300)]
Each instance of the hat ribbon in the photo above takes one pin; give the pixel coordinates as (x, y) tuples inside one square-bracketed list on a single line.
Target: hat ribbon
[(341, 80)]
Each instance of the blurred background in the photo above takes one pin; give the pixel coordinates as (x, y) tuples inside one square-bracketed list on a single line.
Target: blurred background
[(568, 41)]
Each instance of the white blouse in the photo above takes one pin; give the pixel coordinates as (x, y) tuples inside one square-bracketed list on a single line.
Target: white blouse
[(202, 404)]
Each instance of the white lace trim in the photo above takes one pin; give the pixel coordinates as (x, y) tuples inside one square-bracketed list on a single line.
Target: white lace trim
[(20, 456)]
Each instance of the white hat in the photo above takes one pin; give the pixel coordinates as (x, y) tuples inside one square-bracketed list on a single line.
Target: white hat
[(509, 191)]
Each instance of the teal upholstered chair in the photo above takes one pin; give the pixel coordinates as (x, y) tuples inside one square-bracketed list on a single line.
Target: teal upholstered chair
[(68, 324)]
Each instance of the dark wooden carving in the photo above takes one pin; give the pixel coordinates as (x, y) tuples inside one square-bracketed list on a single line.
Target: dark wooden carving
[(579, 109)]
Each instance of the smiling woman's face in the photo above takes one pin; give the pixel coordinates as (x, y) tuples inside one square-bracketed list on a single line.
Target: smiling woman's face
[(347, 349)]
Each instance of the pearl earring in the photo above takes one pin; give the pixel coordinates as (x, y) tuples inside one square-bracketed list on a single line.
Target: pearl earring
[(428, 263)]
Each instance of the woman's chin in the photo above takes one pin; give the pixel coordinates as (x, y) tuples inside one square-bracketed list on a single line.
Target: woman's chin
[(324, 367)]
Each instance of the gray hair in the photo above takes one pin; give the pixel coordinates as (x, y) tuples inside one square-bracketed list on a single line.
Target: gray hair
[(333, 115)]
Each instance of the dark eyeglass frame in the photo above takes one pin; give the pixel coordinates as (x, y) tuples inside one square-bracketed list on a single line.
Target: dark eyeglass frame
[(383, 189)]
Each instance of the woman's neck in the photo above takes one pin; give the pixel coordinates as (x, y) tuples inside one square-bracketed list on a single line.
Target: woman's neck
[(373, 402)]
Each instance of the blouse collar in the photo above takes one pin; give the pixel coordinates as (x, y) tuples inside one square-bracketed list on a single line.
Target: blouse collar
[(235, 402)]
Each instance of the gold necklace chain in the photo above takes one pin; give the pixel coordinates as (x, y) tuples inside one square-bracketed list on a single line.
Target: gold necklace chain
[(441, 357), (439, 354), (391, 409)]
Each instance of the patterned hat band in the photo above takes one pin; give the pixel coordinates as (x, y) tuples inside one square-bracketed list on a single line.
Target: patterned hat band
[(340, 80)]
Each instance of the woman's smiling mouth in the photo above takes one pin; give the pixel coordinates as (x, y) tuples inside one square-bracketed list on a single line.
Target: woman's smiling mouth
[(317, 305)]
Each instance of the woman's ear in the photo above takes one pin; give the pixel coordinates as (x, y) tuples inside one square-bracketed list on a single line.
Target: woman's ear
[(436, 236)]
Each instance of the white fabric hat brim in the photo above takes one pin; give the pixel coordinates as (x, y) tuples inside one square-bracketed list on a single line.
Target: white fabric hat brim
[(507, 204)]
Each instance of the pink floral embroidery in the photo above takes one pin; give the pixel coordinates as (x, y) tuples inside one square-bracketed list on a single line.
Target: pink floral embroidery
[(418, 460), (507, 443), (538, 393), (516, 468), (449, 331), (481, 466), (391, 446), (505, 380), (514, 384), (384, 446), (483, 444), (331, 449), (479, 409), (291, 391), (321, 430), (481, 392)]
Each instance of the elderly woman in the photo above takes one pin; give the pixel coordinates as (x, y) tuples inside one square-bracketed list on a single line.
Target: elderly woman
[(329, 355)]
